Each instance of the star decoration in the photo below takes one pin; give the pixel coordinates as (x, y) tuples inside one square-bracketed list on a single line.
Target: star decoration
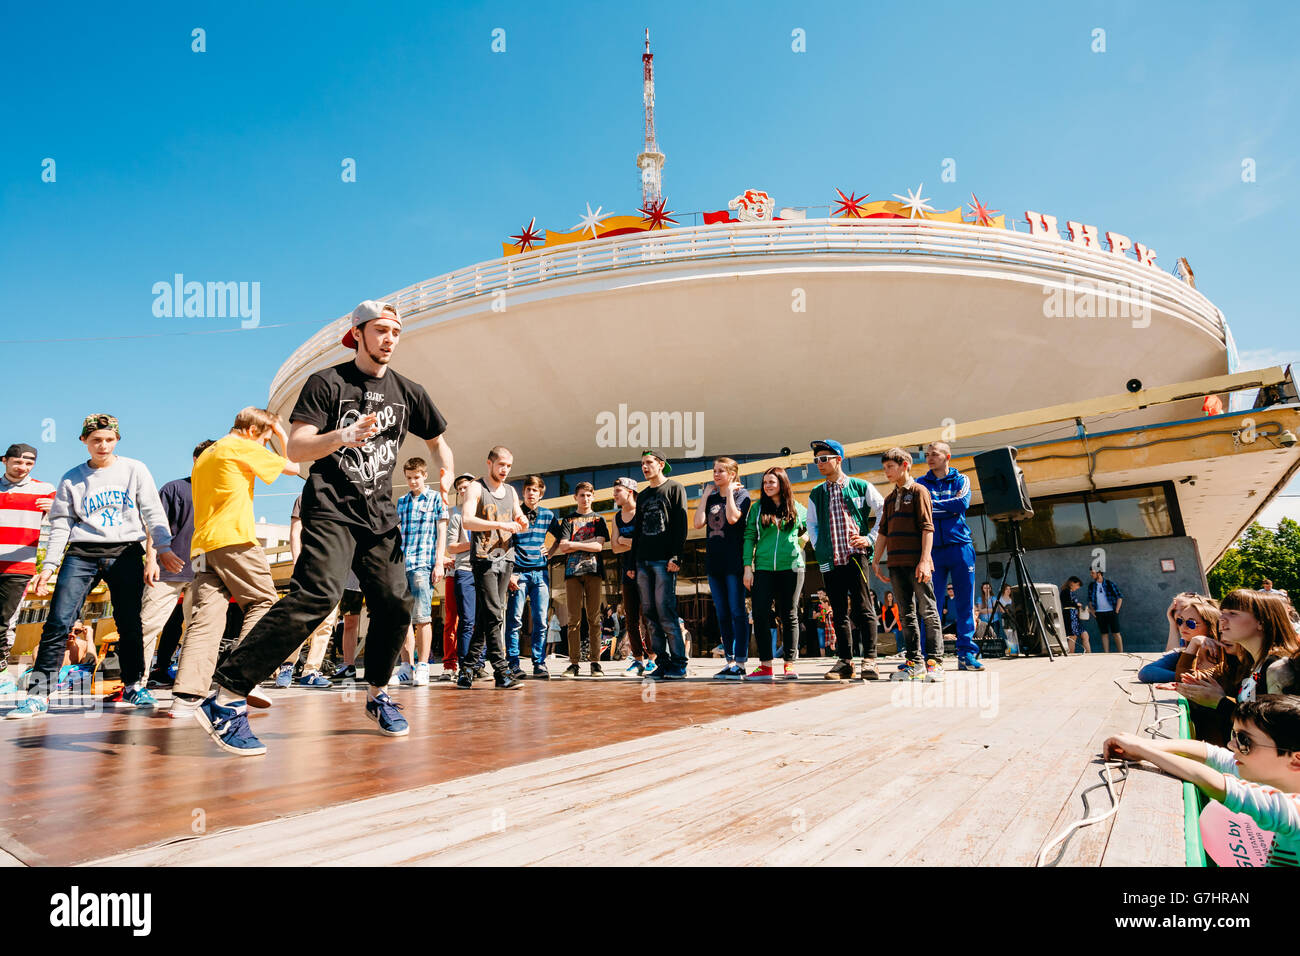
[(850, 206), (591, 220), (982, 213), (655, 215), (916, 204), (527, 236)]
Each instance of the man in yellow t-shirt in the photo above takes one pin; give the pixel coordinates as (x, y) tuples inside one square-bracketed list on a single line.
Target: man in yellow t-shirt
[(228, 563)]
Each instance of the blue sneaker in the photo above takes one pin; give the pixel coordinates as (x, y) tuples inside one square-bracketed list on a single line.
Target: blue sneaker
[(969, 662), (650, 667), (314, 679), (284, 678), (730, 672), (228, 727), (138, 695), (383, 711), (29, 707), (675, 673)]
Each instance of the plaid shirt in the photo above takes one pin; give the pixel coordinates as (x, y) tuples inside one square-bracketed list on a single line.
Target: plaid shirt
[(417, 519), (1113, 593), (841, 523)]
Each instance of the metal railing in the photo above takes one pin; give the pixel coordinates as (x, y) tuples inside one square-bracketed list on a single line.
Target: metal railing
[(886, 240)]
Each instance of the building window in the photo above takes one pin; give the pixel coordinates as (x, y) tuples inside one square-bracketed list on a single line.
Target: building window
[(1124, 514), (1128, 514)]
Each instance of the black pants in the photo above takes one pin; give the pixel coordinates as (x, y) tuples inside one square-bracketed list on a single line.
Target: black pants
[(12, 588), (492, 587), (917, 597), (783, 587), (847, 586), (170, 639), (329, 548), (78, 575)]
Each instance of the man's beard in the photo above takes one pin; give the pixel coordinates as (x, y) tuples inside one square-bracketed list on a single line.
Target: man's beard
[(379, 358)]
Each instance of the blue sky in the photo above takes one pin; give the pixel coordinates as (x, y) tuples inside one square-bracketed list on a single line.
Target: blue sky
[(225, 165)]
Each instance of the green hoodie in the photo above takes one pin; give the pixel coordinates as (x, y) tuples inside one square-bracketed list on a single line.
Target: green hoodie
[(772, 547)]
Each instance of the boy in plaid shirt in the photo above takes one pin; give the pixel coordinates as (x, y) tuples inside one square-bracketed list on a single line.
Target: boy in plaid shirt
[(422, 521)]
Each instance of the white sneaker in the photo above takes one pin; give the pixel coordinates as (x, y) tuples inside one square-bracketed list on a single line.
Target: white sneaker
[(404, 675), (422, 674)]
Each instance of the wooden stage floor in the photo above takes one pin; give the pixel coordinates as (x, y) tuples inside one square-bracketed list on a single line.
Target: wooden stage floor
[(981, 770)]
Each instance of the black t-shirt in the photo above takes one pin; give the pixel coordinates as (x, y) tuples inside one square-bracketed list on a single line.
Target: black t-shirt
[(660, 533), (625, 530), (355, 485), (583, 528), (725, 542)]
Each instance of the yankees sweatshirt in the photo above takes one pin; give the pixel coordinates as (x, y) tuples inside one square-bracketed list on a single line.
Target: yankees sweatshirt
[(106, 506)]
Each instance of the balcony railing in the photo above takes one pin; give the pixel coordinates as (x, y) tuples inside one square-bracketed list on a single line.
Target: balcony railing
[(896, 240)]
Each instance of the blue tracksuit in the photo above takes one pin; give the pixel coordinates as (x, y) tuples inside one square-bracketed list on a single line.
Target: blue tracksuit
[(953, 552)]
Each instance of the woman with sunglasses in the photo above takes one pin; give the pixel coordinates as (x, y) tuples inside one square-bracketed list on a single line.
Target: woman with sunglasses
[(775, 533), (1185, 623), (1261, 650)]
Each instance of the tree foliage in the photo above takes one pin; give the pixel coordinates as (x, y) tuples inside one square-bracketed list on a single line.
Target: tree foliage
[(1260, 553)]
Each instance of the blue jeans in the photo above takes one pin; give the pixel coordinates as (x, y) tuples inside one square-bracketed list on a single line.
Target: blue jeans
[(659, 602), (77, 575), (956, 563), (466, 601), (728, 592), (533, 586), (1159, 671)]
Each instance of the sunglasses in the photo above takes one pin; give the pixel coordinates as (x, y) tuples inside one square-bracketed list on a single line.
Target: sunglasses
[(1187, 622), (1245, 741), (822, 459)]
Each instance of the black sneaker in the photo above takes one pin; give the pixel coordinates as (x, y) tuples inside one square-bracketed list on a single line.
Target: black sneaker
[(160, 681), (346, 672), (541, 673), (507, 681), (517, 673), (481, 672), (466, 679), (597, 670), (571, 670)]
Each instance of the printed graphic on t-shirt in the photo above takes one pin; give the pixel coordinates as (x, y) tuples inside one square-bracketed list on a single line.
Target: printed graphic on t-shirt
[(368, 466), (584, 528), (654, 518), (716, 517), (494, 544), (105, 508)]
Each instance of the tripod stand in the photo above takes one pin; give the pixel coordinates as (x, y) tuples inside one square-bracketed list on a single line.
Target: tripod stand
[(1035, 615)]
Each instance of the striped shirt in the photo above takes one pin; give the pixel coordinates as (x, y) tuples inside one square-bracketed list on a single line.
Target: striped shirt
[(417, 520), (907, 516), (20, 523), (528, 544)]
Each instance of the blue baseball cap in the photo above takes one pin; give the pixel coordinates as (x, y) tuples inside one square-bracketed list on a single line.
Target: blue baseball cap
[(830, 444)]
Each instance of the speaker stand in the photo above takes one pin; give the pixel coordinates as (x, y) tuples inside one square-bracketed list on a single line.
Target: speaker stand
[(1038, 621)]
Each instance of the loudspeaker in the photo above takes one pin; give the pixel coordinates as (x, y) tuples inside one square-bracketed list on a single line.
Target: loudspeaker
[(1002, 484)]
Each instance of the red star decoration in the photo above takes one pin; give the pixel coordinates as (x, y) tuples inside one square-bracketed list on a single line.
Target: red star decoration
[(982, 213), (528, 236), (654, 213), (851, 205)]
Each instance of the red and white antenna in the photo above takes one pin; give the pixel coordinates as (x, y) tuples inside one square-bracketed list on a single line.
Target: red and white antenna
[(650, 161)]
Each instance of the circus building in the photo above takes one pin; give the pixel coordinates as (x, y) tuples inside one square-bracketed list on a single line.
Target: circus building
[(1150, 448)]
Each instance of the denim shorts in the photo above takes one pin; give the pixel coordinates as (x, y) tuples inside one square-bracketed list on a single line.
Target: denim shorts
[(420, 582)]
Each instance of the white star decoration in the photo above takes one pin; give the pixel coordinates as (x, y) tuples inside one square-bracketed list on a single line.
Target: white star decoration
[(592, 220), (915, 203)]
